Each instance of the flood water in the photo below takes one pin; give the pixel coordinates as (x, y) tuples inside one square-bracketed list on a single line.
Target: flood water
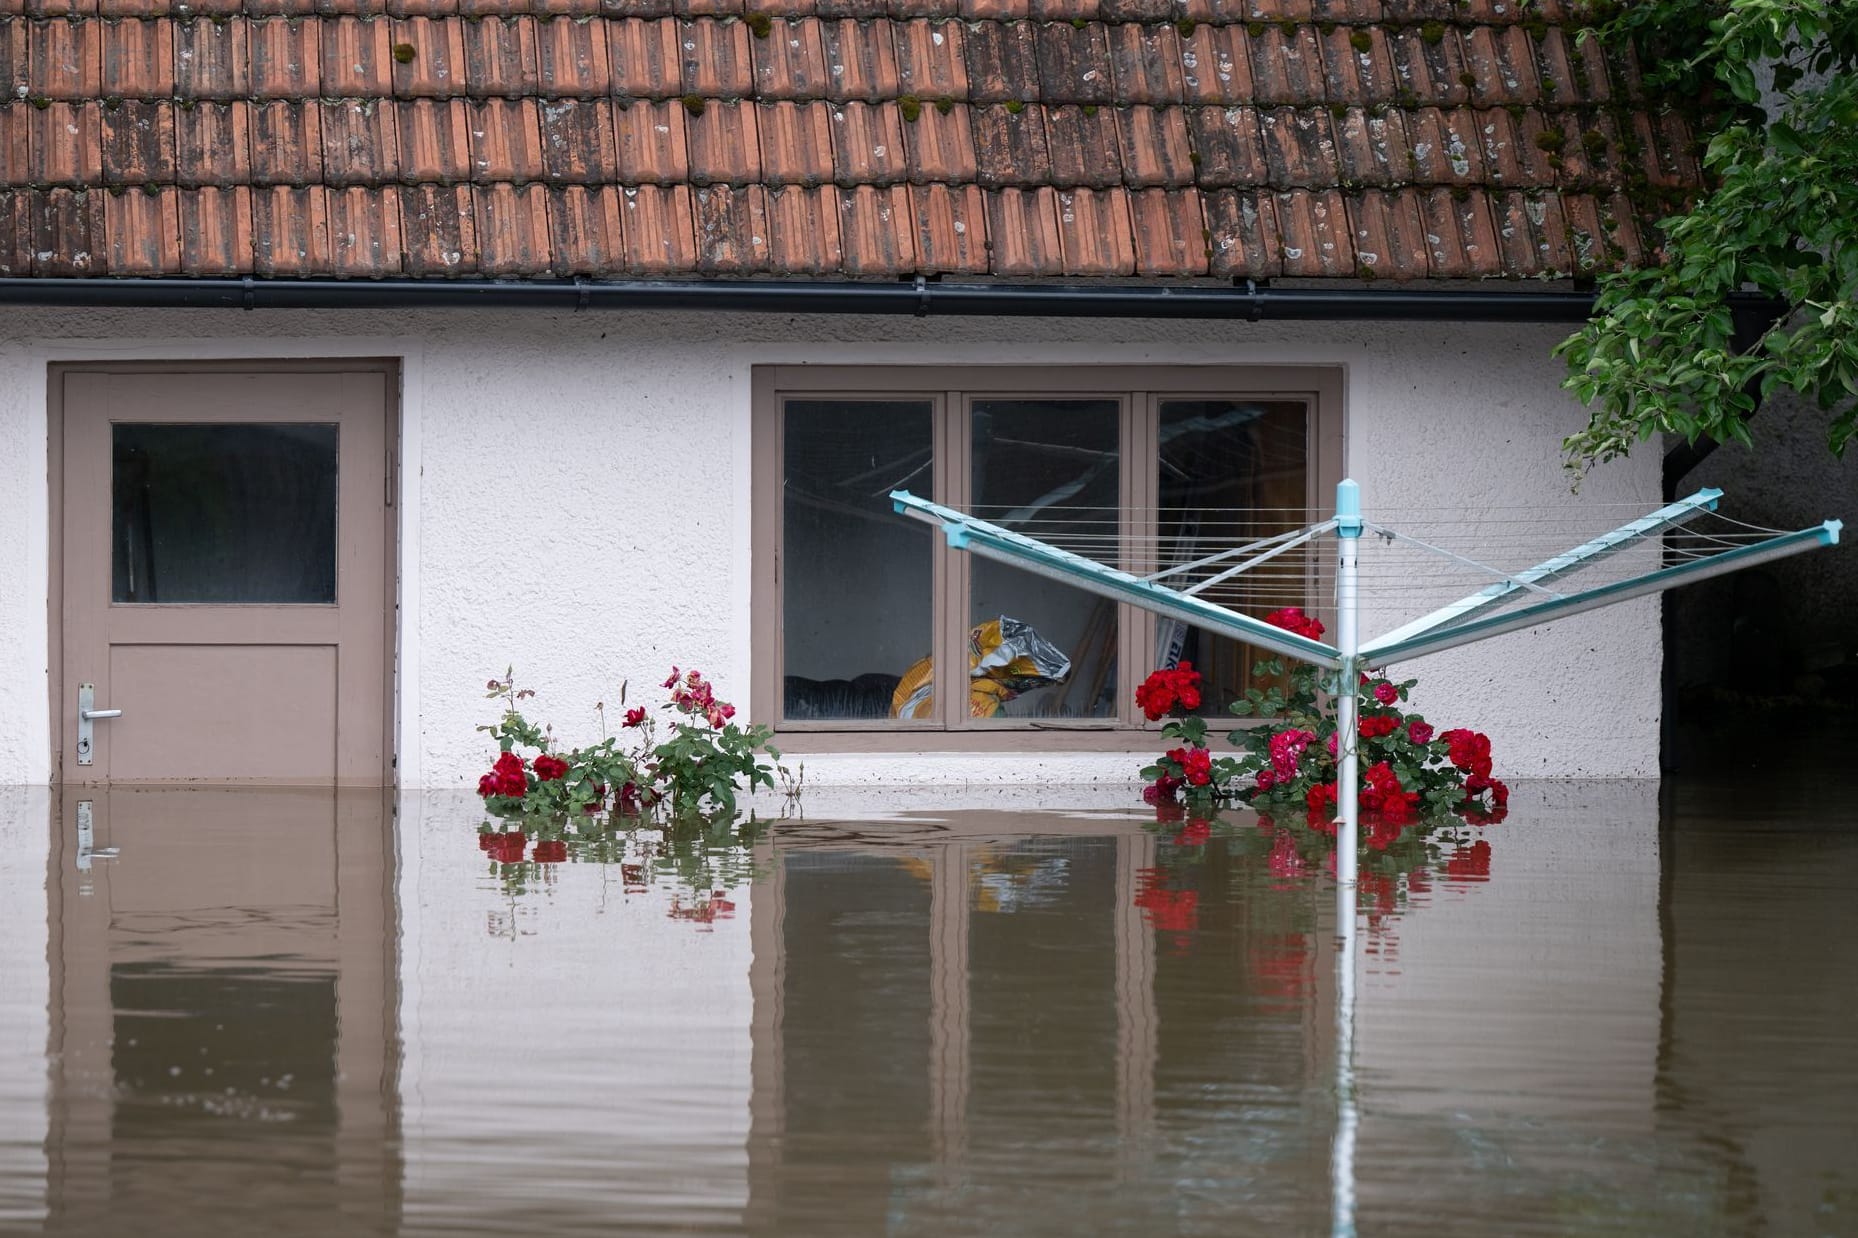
[(304, 1013)]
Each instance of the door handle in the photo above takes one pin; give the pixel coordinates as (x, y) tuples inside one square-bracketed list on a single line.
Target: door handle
[(86, 698)]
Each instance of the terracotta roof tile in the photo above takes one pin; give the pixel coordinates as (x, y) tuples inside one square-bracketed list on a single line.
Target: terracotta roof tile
[(68, 234), (1011, 146), (710, 8), (790, 61), (1228, 148), (1299, 147), (1503, 64), (213, 144), (210, 59), (716, 59), (951, 229), (59, 144), (15, 227), (1003, 61), (584, 230), (364, 232), (500, 57), (143, 232), (571, 57), (286, 58), (1154, 146), (1287, 67), (438, 229), (796, 144), (215, 231), (14, 72), (290, 231), (875, 232), (1359, 65), (646, 61), (1065, 10), (803, 230), (1216, 65), (1094, 232), (939, 145), (1373, 148), (435, 142), (924, 8), (1242, 235), (513, 231), (732, 229), (638, 8), (1447, 146), (1517, 151), (429, 58), (932, 59), (1170, 232), (360, 142), (1074, 63), (852, 8), (658, 231), (62, 59), (1430, 70), (137, 144), (505, 140), (1022, 233), (867, 143), (1461, 234), (23, 157), (861, 60), (137, 60), (653, 147), (1533, 234), (1390, 236), (1083, 145), (725, 144), (995, 10), (1146, 63), (577, 142), (357, 58), (287, 143), (1313, 229)]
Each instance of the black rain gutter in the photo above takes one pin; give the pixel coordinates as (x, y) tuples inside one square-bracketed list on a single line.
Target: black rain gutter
[(919, 299)]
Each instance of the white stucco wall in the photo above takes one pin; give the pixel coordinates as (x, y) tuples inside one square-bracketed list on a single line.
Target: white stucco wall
[(576, 502)]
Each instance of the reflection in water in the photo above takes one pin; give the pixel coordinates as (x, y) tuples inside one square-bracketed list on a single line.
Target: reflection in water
[(297, 1012)]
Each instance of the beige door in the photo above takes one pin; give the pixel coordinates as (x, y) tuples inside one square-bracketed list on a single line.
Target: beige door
[(224, 573)]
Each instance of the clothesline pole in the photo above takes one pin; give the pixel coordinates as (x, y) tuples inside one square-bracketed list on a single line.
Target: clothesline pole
[(1348, 710)]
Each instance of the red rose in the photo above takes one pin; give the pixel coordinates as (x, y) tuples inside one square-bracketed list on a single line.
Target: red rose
[(1292, 619), (1197, 765), (1386, 693), (487, 785), (1419, 732), (635, 716), (1267, 778), (551, 851), (548, 769)]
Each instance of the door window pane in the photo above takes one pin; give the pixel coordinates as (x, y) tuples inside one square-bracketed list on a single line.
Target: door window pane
[(856, 578), (1232, 472), (223, 513), (1049, 469)]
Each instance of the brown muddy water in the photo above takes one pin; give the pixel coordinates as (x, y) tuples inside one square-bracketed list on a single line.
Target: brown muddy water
[(299, 1013)]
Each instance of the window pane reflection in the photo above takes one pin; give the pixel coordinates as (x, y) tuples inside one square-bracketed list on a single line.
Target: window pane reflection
[(1232, 472), (856, 577), (223, 513), (1049, 469)]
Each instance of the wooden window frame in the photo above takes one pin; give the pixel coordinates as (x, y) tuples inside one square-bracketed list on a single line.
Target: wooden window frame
[(1140, 390)]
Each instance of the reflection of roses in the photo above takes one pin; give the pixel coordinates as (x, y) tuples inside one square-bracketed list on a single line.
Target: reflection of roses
[(506, 848), (551, 851)]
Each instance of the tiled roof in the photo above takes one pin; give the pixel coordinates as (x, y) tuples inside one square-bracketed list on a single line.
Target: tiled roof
[(1017, 139)]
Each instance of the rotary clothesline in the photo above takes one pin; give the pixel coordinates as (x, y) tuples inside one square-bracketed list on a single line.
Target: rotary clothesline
[(1284, 566)]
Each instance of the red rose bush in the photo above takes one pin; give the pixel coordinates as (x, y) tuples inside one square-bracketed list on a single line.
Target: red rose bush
[(1410, 773)]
